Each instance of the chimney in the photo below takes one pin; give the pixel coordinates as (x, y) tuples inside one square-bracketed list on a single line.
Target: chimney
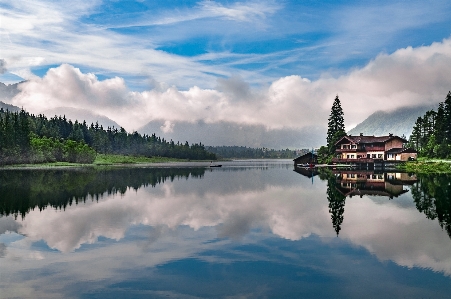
[(390, 134), (361, 134)]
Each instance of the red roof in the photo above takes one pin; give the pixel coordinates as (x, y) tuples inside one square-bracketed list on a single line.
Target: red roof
[(369, 139), (401, 150)]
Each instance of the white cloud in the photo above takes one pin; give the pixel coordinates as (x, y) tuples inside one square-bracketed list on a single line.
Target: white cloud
[(408, 77), (243, 12)]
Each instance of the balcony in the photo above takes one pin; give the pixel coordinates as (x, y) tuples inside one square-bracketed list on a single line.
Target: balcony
[(350, 150), (359, 150), (356, 161)]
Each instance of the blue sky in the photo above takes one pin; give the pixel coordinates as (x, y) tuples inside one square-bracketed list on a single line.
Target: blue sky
[(156, 45), (201, 40)]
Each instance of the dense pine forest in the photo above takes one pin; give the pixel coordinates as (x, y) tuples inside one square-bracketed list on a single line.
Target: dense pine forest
[(26, 138), (431, 135), (229, 152)]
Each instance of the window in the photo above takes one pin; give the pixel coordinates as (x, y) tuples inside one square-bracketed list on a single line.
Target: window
[(373, 156), (379, 156), (354, 146)]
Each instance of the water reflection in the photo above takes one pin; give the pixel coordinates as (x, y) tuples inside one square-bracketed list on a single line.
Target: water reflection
[(249, 230), (24, 190), (349, 183), (432, 196)]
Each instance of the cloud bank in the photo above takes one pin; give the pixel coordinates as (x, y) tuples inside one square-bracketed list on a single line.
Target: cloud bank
[(408, 77)]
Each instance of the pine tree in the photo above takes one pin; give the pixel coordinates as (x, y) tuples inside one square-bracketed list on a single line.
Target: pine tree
[(336, 126), (447, 117)]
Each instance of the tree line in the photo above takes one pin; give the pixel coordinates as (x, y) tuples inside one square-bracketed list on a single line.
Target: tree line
[(230, 152), (431, 134), (27, 138)]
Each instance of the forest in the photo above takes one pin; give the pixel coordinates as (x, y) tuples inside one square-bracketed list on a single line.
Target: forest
[(27, 138), (431, 134)]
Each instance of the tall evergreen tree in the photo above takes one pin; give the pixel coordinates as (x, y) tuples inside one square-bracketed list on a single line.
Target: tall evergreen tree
[(336, 126), (447, 117)]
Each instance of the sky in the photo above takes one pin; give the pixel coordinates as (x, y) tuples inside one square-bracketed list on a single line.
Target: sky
[(277, 64)]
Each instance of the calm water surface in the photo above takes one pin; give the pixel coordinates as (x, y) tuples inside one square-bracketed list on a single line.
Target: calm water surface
[(246, 230)]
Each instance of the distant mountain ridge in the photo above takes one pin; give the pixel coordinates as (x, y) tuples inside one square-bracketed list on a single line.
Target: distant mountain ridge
[(9, 107), (225, 133), (398, 122), (8, 92), (82, 115)]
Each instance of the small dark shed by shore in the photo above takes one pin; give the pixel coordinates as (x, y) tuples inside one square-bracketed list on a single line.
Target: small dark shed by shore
[(308, 158)]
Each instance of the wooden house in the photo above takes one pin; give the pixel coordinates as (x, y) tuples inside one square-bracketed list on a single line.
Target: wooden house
[(372, 150)]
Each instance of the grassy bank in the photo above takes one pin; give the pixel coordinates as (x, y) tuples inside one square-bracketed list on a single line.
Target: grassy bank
[(427, 166), (102, 160), (105, 159)]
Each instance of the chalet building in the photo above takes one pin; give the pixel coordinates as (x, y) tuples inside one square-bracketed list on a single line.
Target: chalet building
[(372, 150)]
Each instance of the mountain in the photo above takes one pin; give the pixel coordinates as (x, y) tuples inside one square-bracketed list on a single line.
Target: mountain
[(81, 115), (9, 107), (7, 92), (399, 122), (229, 133)]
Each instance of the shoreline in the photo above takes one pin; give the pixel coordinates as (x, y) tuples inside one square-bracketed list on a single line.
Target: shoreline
[(427, 166), (151, 162), (104, 160)]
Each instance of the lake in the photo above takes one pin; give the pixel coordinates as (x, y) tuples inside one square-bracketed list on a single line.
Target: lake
[(250, 229)]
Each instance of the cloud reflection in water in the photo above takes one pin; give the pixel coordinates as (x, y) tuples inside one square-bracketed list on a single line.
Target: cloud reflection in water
[(184, 219)]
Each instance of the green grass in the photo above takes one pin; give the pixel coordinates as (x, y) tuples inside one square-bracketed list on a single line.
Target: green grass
[(427, 166), (102, 160), (107, 159), (49, 164)]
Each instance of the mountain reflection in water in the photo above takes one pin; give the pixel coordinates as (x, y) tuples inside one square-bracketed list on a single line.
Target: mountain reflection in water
[(248, 229)]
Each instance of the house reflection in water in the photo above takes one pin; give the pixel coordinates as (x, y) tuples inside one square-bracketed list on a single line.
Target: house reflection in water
[(348, 183), (358, 183)]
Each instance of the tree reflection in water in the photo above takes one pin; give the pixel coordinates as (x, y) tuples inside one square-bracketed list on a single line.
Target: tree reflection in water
[(24, 190), (349, 183), (336, 203), (431, 192), (432, 196)]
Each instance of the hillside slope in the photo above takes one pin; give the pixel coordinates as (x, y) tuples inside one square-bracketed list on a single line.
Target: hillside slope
[(399, 122)]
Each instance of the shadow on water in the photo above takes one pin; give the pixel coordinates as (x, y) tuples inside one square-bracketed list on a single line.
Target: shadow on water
[(24, 190)]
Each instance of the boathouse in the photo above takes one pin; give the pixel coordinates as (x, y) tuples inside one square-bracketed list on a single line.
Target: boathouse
[(306, 159)]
